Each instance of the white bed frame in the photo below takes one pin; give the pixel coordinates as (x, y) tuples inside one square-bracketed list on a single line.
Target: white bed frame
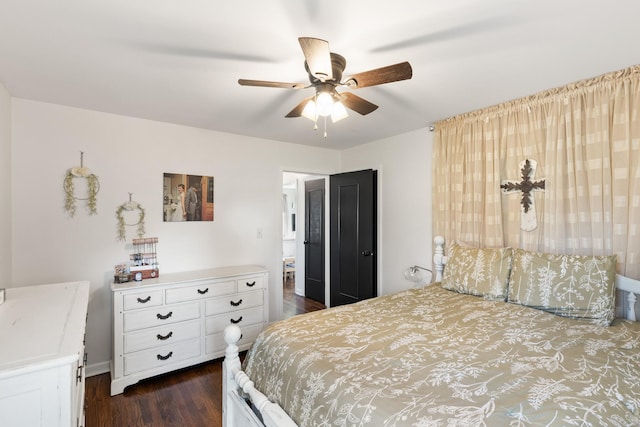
[(238, 389)]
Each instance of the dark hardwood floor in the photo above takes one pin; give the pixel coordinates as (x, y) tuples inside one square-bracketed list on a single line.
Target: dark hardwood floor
[(190, 397), (293, 304)]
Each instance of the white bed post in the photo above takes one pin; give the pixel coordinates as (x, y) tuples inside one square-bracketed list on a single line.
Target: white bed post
[(230, 365), (630, 286), (439, 259), (631, 306), (233, 378)]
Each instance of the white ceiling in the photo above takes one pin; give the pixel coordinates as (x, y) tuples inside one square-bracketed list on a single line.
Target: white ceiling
[(179, 61)]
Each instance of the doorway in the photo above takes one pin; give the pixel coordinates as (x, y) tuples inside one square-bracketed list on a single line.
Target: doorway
[(304, 265)]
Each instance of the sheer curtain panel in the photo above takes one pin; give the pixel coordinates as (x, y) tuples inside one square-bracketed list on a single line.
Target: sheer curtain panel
[(585, 141)]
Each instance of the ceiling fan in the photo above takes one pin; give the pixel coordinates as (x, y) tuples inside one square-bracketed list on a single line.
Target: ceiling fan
[(325, 75)]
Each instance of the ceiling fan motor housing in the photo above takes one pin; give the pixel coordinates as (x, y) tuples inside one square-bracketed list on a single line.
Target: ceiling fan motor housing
[(338, 64)]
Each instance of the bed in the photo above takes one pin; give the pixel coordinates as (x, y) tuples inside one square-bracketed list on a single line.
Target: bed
[(477, 348)]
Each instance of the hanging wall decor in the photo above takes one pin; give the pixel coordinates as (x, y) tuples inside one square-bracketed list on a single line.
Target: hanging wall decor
[(128, 207), (93, 186), (526, 186)]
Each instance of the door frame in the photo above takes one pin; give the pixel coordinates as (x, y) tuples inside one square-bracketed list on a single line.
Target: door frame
[(300, 215), (277, 290)]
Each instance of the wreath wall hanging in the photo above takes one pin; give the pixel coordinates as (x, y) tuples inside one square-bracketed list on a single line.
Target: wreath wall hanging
[(130, 206), (93, 186)]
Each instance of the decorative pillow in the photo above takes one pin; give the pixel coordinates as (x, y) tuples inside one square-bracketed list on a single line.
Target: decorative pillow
[(581, 287), (478, 271)]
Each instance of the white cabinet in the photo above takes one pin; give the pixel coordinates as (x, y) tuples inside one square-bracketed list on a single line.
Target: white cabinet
[(177, 320), (42, 358)]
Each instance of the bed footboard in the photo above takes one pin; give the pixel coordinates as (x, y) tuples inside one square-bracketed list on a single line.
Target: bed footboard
[(236, 412)]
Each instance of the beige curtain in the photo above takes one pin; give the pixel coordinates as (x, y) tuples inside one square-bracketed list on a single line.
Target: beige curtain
[(585, 138)]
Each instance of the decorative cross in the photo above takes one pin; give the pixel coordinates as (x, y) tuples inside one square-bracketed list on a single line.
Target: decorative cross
[(528, 221)]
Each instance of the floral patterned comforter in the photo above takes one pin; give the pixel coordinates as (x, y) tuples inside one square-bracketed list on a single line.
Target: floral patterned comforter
[(432, 357)]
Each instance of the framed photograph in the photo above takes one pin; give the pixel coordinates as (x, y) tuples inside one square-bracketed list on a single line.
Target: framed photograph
[(187, 198)]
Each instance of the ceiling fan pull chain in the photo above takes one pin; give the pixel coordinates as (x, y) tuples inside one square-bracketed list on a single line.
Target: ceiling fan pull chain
[(325, 126), (315, 111)]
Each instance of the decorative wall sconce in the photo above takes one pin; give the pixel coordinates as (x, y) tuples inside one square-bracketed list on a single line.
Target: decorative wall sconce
[(418, 275)]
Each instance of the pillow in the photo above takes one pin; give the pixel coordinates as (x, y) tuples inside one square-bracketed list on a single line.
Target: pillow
[(581, 287), (478, 271)]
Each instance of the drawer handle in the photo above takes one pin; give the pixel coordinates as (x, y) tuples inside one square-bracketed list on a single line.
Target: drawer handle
[(161, 357), (252, 284), (235, 304), (144, 300), (166, 337), (164, 317), (203, 292), (235, 322)]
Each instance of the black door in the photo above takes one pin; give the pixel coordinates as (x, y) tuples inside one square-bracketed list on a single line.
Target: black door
[(314, 240), (353, 236)]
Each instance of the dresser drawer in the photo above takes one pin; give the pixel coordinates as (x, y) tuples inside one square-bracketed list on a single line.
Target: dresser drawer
[(235, 302), (241, 318), (250, 283), (158, 316), (215, 343), (161, 356), (203, 289), (144, 299), (164, 335)]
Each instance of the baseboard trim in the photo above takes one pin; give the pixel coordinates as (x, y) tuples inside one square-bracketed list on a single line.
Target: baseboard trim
[(97, 369)]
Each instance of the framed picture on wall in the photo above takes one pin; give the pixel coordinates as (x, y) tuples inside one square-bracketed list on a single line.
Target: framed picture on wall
[(187, 198)]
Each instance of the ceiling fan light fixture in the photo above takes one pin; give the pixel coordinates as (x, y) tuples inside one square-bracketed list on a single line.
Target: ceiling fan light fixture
[(309, 111), (324, 104), (338, 112)]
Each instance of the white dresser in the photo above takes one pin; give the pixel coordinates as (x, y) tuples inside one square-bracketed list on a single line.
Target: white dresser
[(177, 320), (42, 358)]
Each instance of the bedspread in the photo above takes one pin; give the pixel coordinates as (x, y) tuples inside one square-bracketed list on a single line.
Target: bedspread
[(432, 357)]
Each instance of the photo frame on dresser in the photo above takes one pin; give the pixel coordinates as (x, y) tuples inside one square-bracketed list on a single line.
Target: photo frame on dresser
[(187, 198)]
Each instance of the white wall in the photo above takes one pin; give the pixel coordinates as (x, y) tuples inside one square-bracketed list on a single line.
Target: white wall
[(5, 178), (130, 155), (403, 163)]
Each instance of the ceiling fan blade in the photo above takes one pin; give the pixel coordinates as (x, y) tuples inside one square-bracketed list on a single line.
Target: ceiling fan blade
[(297, 111), (469, 29), (357, 104), (196, 53), (316, 53), (264, 83), (391, 73)]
